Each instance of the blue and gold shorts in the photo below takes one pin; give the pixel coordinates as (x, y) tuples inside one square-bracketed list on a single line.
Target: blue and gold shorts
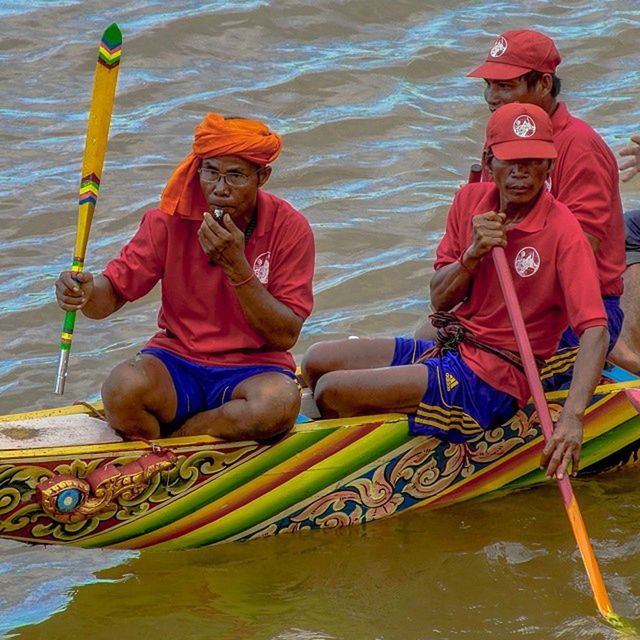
[(457, 404), (558, 369)]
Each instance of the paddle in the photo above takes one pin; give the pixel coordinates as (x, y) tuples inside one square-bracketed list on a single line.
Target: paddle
[(104, 88), (540, 402)]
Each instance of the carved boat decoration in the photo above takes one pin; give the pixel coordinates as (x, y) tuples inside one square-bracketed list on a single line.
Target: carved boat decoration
[(188, 492)]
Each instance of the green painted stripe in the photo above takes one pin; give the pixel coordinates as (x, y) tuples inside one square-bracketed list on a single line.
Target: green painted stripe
[(287, 496), (181, 506)]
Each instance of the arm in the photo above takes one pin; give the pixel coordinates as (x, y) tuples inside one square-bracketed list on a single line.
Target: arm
[(450, 284), (630, 165), (94, 296), (274, 320), (564, 446)]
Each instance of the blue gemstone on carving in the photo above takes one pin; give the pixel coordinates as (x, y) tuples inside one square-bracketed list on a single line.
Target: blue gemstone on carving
[(68, 500)]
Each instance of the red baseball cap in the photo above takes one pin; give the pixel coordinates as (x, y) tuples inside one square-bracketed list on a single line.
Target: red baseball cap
[(517, 130), (515, 53)]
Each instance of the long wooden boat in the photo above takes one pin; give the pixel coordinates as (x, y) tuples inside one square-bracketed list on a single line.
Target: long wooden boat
[(66, 479)]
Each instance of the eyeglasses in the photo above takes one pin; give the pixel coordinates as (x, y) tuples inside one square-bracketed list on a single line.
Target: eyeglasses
[(233, 178)]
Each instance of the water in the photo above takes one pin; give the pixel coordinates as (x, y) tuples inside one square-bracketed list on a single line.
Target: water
[(380, 126)]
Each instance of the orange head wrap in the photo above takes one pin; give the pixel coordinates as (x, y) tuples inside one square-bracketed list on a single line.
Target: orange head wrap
[(215, 136)]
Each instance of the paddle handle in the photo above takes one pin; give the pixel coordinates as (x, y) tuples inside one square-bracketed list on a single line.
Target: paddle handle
[(65, 346), (533, 378), (475, 173)]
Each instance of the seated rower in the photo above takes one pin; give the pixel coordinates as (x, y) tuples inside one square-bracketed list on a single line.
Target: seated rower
[(236, 266), (471, 379)]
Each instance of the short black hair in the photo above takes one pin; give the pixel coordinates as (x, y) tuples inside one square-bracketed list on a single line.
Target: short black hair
[(535, 76)]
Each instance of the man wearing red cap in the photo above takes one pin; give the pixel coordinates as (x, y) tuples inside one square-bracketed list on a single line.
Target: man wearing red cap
[(471, 379), (521, 67), (236, 267)]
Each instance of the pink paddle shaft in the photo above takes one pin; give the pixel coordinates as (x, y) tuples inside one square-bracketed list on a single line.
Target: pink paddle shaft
[(528, 360)]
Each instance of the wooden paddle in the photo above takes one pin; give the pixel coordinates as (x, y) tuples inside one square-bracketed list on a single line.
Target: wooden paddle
[(104, 89), (540, 402)]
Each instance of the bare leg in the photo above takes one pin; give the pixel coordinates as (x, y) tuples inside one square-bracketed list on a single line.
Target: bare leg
[(261, 407), (337, 355), (425, 330), (626, 352), (364, 392), (138, 395)]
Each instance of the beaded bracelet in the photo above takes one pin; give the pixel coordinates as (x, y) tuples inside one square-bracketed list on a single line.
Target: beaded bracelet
[(239, 284), (464, 266)]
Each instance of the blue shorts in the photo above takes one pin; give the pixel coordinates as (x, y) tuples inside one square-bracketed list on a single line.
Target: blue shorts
[(199, 387), (558, 369), (632, 236), (457, 404)]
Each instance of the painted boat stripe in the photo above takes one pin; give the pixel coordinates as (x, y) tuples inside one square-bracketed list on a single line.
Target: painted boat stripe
[(373, 444), (257, 486)]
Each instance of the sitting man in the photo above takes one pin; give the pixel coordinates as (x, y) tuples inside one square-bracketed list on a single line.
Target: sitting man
[(626, 353), (236, 265), (472, 379), (521, 67)]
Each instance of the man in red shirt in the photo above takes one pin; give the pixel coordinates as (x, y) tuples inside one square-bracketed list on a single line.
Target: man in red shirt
[(520, 67), (472, 379), (236, 267)]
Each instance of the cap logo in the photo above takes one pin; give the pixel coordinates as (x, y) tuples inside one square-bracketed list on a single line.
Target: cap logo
[(524, 126), (499, 47)]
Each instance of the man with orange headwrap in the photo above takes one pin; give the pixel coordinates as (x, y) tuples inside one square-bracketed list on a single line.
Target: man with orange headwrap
[(236, 267)]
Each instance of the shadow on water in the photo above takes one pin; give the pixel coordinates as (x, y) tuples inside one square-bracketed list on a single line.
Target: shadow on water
[(496, 568)]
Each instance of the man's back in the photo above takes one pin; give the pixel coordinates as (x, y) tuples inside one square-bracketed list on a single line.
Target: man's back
[(585, 179)]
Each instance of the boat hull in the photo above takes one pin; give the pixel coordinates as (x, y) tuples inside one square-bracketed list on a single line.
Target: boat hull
[(189, 492)]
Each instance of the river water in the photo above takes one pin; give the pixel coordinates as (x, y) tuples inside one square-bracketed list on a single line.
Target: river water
[(380, 126)]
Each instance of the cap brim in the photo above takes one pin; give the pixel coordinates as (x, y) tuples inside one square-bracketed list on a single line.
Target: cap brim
[(498, 71), (521, 149)]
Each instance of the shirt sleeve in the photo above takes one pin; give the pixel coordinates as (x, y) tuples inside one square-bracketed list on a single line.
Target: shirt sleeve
[(291, 277), (586, 185), (451, 245), (138, 267), (582, 295)]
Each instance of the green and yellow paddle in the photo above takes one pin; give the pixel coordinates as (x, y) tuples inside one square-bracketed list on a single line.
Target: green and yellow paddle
[(104, 89)]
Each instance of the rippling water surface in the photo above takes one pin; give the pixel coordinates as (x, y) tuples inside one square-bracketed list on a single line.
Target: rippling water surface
[(380, 126)]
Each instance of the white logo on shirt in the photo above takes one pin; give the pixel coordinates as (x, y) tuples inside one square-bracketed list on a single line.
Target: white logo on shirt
[(524, 126), (499, 48), (527, 262), (261, 267)]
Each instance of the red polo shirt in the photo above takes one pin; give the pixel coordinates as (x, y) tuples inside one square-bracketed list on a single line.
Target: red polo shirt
[(585, 178), (200, 317), (546, 252)]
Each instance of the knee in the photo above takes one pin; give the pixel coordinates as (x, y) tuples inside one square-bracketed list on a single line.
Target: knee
[(282, 408), (315, 363), (332, 396), (125, 384)]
